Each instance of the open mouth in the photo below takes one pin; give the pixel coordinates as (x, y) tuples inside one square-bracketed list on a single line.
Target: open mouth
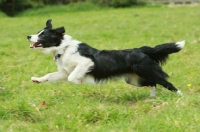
[(35, 45)]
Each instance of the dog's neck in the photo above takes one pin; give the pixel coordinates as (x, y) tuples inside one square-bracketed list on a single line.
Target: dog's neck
[(56, 57), (66, 43)]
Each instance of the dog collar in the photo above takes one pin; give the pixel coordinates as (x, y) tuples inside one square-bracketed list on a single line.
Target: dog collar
[(57, 57)]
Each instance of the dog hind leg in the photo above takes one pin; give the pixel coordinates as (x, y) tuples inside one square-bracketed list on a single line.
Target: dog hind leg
[(135, 80), (152, 85), (152, 75), (153, 91), (132, 79), (168, 85)]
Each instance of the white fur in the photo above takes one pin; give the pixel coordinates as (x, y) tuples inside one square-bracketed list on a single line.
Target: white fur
[(71, 66), (34, 38), (180, 44), (132, 79), (153, 92), (52, 77), (179, 92)]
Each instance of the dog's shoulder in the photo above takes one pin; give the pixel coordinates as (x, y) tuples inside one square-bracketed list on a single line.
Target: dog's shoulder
[(86, 50)]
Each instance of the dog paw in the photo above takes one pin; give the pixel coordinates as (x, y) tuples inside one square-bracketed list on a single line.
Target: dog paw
[(152, 95), (75, 81), (78, 81), (36, 80), (179, 93)]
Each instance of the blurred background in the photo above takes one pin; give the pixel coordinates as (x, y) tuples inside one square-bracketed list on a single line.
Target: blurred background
[(12, 7)]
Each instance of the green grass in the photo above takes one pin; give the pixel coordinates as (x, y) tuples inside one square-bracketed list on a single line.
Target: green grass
[(110, 107), (2, 14), (60, 9)]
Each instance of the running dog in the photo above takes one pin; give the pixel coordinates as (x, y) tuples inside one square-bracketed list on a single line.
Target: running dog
[(79, 63)]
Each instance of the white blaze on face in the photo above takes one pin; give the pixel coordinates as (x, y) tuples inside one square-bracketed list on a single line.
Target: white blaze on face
[(34, 38)]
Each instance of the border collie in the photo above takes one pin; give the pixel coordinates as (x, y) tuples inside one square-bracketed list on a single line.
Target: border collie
[(79, 63)]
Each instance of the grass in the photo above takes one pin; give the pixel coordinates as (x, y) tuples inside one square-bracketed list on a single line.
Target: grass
[(60, 9), (110, 107), (2, 14)]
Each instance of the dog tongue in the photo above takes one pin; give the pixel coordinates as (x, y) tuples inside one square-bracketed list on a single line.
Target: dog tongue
[(35, 45)]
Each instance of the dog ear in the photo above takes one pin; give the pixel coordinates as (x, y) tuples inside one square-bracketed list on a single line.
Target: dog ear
[(48, 24), (60, 30)]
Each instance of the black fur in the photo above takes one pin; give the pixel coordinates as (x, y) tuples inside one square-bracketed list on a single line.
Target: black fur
[(160, 52), (139, 66), (50, 37), (142, 61)]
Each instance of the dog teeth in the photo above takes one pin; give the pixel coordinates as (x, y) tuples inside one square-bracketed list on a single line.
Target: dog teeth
[(32, 46), (35, 45)]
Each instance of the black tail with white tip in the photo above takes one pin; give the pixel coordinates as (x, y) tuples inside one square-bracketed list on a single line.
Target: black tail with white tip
[(160, 52)]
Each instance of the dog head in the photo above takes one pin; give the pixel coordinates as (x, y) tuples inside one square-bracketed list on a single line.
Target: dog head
[(47, 37)]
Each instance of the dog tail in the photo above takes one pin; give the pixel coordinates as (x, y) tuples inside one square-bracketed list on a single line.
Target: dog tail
[(160, 52)]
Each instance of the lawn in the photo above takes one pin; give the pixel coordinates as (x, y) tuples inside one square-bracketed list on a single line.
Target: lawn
[(112, 107)]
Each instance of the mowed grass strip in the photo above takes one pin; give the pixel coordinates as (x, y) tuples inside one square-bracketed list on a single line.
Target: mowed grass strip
[(115, 106)]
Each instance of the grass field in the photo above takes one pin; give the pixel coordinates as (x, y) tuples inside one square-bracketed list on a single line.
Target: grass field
[(112, 107)]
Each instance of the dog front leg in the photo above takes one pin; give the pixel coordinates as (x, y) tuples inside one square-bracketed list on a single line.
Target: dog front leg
[(79, 72), (77, 75), (52, 77)]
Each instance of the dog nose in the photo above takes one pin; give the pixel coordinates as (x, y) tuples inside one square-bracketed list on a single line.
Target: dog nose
[(28, 37)]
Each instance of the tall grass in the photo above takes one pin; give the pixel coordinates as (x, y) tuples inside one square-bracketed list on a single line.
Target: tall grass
[(115, 106)]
